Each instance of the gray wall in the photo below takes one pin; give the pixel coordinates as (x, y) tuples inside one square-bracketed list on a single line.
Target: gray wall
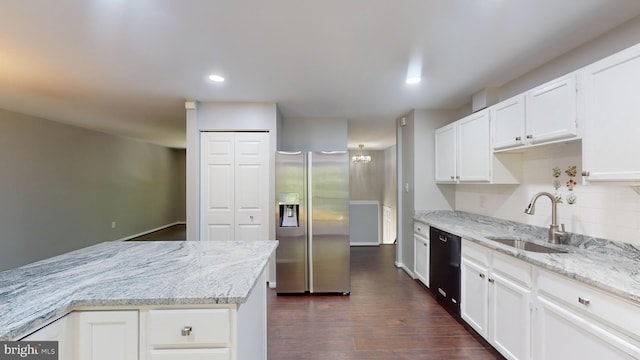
[(313, 135), (366, 181), (62, 186), (416, 164)]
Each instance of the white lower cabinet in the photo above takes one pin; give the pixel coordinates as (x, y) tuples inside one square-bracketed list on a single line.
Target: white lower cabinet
[(527, 312), (106, 335), (189, 354), (187, 334), (421, 252), (496, 299), (575, 321)]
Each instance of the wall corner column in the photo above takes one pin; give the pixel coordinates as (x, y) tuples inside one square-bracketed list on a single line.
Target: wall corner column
[(193, 171)]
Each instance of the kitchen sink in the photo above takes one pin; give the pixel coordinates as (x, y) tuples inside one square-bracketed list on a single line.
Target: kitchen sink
[(524, 245)]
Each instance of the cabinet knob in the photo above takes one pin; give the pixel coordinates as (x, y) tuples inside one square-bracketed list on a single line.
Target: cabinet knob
[(457, 177), (453, 177), (529, 136), (491, 280), (251, 218), (585, 173), (583, 301), (482, 276), (186, 331), (518, 138)]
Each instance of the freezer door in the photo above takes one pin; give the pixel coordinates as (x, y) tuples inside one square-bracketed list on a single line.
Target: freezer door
[(329, 222), (291, 223)]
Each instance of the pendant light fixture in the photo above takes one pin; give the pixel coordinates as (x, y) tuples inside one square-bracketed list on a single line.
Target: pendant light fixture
[(361, 158)]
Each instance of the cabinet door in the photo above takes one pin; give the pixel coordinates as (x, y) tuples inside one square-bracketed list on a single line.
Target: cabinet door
[(510, 317), (474, 147), (551, 111), (107, 335), (446, 144), (474, 295), (610, 142), (421, 258), (507, 123), (563, 334)]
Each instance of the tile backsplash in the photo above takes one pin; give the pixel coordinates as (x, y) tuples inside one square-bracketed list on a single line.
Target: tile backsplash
[(606, 211)]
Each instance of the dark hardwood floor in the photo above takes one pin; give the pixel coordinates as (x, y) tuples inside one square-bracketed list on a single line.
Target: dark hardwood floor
[(176, 232), (387, 316)]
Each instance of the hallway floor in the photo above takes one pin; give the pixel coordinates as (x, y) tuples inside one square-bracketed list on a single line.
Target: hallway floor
[(387, 316)]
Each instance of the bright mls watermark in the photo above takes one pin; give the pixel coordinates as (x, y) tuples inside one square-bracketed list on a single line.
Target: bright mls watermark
[(32, 350)]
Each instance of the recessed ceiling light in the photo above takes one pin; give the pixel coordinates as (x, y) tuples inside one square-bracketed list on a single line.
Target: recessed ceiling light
[(413, 80), (216, 78)]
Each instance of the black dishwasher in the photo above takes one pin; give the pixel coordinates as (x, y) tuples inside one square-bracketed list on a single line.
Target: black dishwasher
[(444, 274)]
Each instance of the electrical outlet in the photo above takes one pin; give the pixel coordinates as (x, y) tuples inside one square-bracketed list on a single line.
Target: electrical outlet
[(113, 224)]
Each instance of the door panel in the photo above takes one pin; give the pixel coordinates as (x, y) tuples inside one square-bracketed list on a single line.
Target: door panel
[(217, 186), (291, 254), (252, 186), (329, 225)]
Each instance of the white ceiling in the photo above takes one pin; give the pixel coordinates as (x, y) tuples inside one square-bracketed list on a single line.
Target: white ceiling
[(126, 66)]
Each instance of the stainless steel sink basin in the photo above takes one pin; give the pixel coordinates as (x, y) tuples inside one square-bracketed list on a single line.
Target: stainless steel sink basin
[(525, 245)]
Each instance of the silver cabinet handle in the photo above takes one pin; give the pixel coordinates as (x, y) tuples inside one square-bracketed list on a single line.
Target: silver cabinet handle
[(583, 301), (186, 331), (442, 238), (585, 173), (482, 276), (491, 280)]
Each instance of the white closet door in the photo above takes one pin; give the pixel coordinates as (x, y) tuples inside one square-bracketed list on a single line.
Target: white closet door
[(252, 186), (234, 186), (217, 185)]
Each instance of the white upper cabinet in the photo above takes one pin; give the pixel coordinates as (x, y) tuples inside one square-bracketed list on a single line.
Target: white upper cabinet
[(446, 153), (547, 113), (474, 150), (551, 111), (508, 123), (463, 154), (610, 145)]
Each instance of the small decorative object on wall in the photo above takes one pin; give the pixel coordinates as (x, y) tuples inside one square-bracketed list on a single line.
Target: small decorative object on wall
[(571, 184)]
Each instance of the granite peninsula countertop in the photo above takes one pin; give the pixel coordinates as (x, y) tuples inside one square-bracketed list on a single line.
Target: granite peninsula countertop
[(130, 274), (608, 265)]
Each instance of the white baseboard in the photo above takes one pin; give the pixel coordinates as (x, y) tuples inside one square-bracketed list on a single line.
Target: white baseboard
[(364, 244), (150, 231), (406, 269)]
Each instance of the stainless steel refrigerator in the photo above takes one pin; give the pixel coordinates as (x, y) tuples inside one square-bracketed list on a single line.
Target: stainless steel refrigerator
[(312, 214)]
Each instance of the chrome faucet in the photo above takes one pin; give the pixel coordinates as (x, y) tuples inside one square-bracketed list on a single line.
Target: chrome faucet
[(555, 234)]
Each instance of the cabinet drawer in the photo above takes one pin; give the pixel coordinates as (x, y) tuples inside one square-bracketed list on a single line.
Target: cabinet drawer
[(512, 268), (605, 308), (190, 354), (475, 252), (209, 328), (421, 228)]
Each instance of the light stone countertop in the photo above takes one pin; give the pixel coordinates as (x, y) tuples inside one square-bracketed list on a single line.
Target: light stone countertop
[(130, 273), (608, 265)]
